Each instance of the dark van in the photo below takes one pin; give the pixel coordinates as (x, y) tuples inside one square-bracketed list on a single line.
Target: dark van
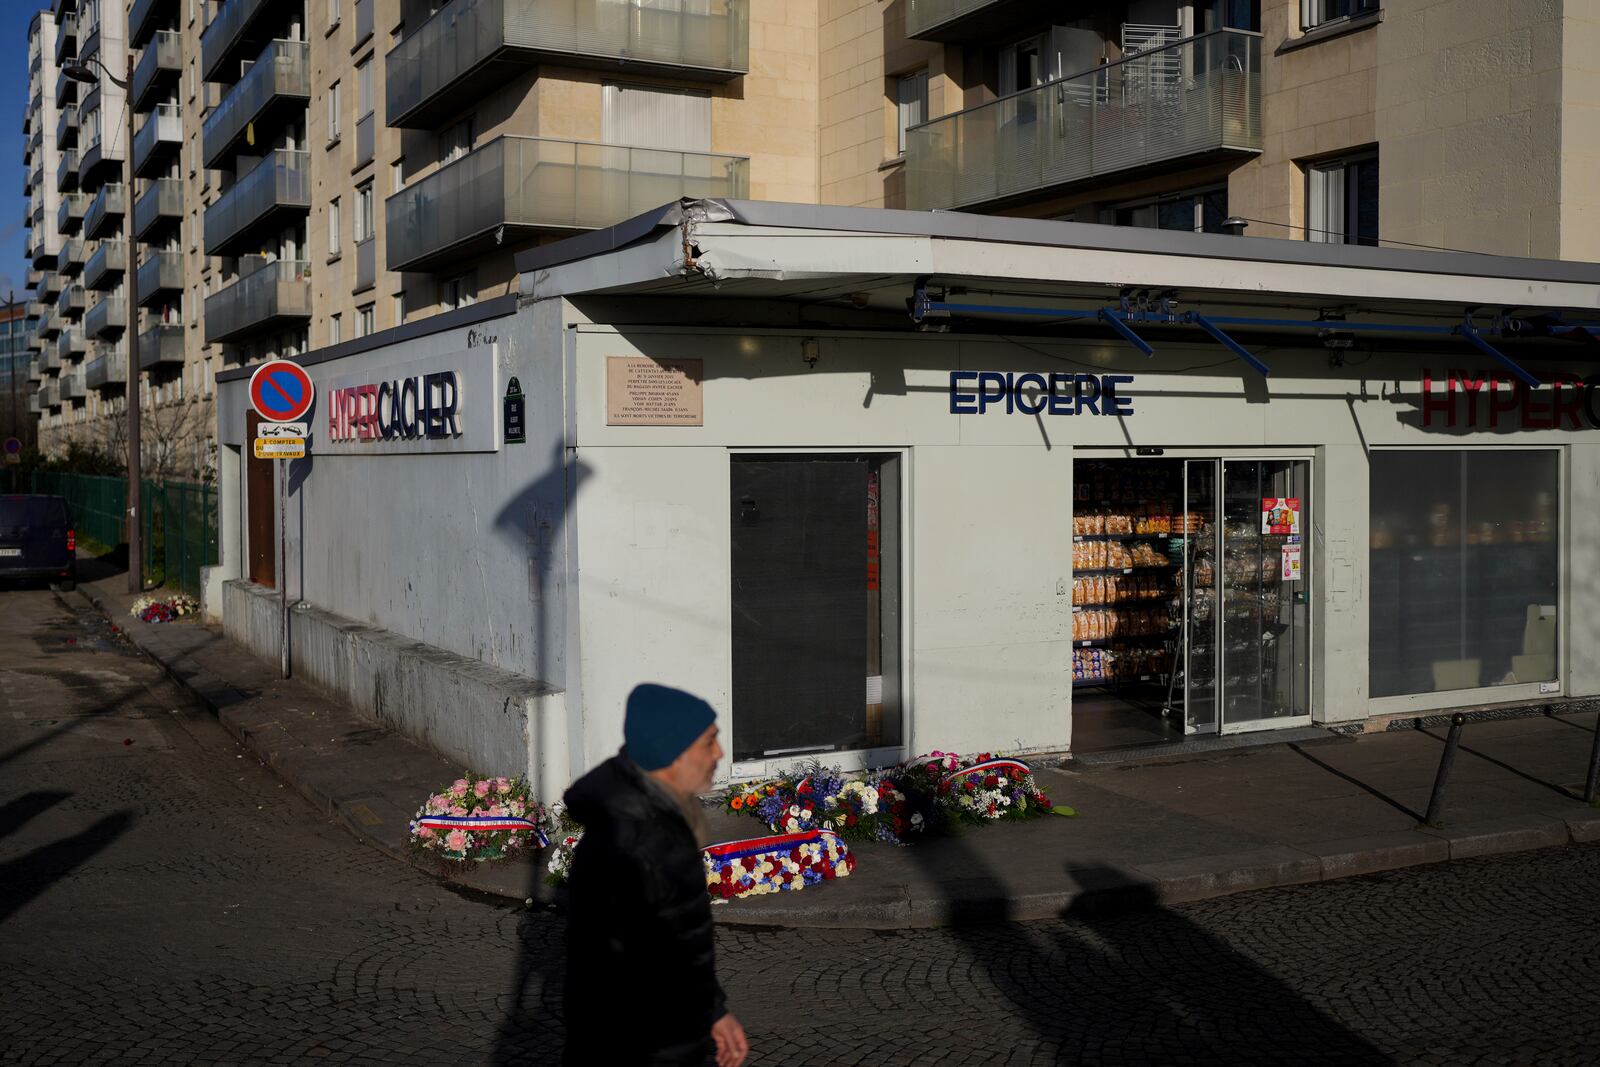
[(37, 540)]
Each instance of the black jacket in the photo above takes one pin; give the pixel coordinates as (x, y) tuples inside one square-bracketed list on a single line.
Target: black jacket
[(641, 977)]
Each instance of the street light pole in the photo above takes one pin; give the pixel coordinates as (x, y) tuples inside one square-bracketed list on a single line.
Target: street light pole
[(81, 73)]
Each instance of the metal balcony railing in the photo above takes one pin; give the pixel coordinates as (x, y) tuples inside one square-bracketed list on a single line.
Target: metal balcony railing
[(66, 39), (51, 394), (161, 345), (161, 202), (104, 214), (157, 140), (72, 256), (228, 38), (67, 127), (72, 302), (468, 44), (1200, 97), (279, 184), (35, 372), (71, 384), (366, 264), (159, 65), (71, 343), (88, 40), (107, 372), (532, 184), (99, 157), (144, 18), (281, 77), (108, 318), (276, 292), (50, 325), (34, 309), (67, 171), (50, 360), (69, 216), (106, 266), (52, 282), (159, 278), (66, 90)]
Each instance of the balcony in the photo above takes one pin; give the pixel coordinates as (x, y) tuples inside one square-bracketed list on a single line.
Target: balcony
[(157, 141), (1172, 107), (52, 283), (530, 185), (106, 267), (275, 292), (34, 309), (72, 257), (49, 360), (107, 319), (279, 186), (66, 91), (366, 264), (61, 8), (161, 345), (88, 40), (35, 372), (71, 344), (235, 33), (67, 127), (66, 39), (50, 326), (51, 394), (145, 16), (469, 45), (71, 385), (159, 279), (364, 135), (101, 161), (280, 81), (158, 67), (69, 216), (160, 205), (72, 303), (104, 215), (107, 373)]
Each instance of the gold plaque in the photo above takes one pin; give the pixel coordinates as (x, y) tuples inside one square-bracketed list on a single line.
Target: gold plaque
[(641, 391)]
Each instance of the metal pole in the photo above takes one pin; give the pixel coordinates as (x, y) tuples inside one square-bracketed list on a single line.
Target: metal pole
[(283, 562), (1593, 781), (135, 444), (11, 371), (1451, 742)]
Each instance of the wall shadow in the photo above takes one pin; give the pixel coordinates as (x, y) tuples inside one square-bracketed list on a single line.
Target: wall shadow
[(26, 877), (16, 814)]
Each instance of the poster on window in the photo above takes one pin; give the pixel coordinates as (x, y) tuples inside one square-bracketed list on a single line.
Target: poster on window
[(1291, 563), (1280, 515)]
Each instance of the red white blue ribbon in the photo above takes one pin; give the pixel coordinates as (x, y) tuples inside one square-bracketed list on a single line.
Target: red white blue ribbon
[(993, 766), (756, 846), (483, 823)]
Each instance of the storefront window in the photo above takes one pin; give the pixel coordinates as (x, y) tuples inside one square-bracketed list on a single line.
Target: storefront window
[(1465, 558)]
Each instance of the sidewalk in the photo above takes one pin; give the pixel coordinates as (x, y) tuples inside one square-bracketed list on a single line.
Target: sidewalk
[(1166, 830)]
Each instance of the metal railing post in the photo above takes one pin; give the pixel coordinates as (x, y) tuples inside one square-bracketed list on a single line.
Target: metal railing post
[(1451, 742)]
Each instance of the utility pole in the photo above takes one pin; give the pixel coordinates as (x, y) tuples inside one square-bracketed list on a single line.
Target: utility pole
[(11, 368), (131, 332)]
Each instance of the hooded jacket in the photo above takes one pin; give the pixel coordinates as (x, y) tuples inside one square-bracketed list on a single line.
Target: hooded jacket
[(641, 978)]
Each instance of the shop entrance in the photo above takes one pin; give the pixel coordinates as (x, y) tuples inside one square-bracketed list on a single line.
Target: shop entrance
[(1191, 606)]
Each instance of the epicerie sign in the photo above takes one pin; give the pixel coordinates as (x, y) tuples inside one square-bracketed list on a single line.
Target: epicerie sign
[(975, 392), (438, 404)]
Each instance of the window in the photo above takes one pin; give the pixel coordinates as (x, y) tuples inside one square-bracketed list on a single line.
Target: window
[(335, 330), (912, 106), (397, 175), (334, 11), (456, 142), (1202, 211), (365, 320), (673, 119), (458, 291), (1342, 201), (399, 309), (364, 88), (1320, 12), (363, 218), (1465, 564), (333, 227), (335, 107)]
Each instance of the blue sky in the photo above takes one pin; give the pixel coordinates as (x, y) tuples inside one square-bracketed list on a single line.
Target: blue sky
[(14, 18)]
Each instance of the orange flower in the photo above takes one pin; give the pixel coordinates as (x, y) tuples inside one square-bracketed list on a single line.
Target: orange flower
[(772, 790), (752, 800), (737, 803)]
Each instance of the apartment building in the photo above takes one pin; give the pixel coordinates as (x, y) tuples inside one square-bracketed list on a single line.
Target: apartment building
[(1461, 124)]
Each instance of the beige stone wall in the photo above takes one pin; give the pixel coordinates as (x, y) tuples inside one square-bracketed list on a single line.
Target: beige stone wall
[(1470, 121), (1580, 131)]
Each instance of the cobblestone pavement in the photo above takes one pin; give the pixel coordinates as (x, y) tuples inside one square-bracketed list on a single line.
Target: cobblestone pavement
[(164, 900)]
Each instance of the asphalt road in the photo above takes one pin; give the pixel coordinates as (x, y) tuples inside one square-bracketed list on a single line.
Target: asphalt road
[(165, 900)]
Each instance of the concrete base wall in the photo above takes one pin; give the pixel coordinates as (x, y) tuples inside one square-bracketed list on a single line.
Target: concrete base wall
[(484, 718)]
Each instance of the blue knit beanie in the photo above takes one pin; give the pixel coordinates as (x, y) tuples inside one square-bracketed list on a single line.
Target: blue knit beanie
[(661, 723)]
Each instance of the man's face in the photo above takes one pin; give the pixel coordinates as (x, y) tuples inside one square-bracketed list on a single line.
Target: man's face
[(693, 771)]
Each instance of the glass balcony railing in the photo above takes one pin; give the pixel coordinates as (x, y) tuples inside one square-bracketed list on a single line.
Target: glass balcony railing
[(161, 345), (88, 40), (107, 372), (66, 91), (146, 16), (159, 65), (280, 183), (159, 277), (72, 256), (50, 326), (108, 318), (66, 39), (106, 267), (161, 202), (278, 291), (1198, 98), (72, 302), (69, 216), (67, 127), (100, 160), (103, 217), (67, 171), (52, 282), (71, 386), (157, 140), (50, 360), (532, 184), (51, 394), (71, 343), (230, 34), (280, 77), (467, 44)]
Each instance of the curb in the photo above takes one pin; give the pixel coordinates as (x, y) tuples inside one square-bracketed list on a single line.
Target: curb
[(896, 907)]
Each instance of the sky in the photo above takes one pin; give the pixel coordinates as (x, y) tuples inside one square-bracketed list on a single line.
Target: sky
[(15, 15)]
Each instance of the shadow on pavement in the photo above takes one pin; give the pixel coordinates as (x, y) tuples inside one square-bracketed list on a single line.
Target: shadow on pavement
[(27, 876), (1359, 784), (68, 725), (108, 565), (16, 814)]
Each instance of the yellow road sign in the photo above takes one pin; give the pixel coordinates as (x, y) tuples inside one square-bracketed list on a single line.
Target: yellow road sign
[(280, 447)]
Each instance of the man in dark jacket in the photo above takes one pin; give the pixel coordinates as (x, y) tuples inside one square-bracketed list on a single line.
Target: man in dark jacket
[(641, 974)]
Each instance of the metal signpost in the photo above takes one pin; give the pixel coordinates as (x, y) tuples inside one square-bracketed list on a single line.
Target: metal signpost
[(281, 392)]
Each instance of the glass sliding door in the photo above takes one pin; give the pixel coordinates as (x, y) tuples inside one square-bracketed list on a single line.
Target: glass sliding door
[(1263, 578), (1199, 547)]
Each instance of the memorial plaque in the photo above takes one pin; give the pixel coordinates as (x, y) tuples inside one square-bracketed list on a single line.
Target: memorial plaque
[(654, 392)]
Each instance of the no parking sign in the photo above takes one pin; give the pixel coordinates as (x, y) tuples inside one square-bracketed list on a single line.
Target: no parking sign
[(281, 391)]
